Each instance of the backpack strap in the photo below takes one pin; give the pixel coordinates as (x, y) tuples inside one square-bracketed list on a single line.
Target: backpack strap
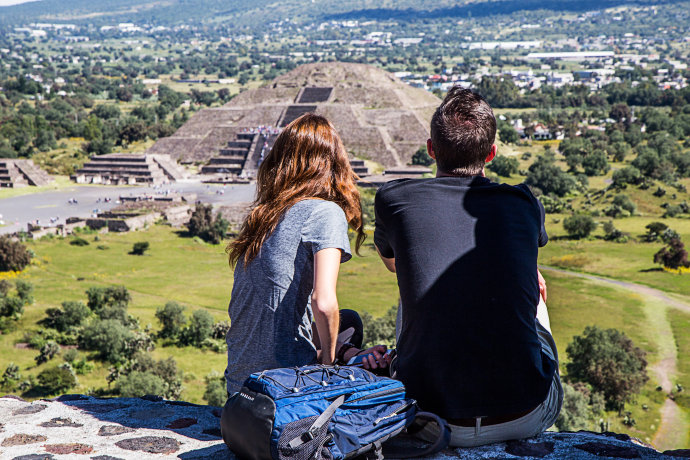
[(315, 427), (438, 445)]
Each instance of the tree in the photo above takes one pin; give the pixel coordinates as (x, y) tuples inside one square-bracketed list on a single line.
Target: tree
[(421, 157), (609, 362), (504, 166), (203, 224), (548, 177), (199, 329), (508, 134), (627, 175), (579, 226), (13, 255), (101, 297), (72, 314), (654, 231), (172, 320), (140, 248), (57, 379), (575, 414), (621, 206), (137, 377), (673, 256), (108, 337), (596, 163)]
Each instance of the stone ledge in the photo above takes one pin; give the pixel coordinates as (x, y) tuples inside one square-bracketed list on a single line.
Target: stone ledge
[(84, 427)]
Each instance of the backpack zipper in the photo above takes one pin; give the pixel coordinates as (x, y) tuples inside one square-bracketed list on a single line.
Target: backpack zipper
[(395, 412), (377, 394)]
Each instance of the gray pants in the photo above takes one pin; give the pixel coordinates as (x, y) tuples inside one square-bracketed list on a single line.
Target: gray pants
[(532, 424)]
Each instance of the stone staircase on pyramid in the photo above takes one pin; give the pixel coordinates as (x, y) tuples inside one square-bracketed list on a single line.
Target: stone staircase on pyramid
[(126, 169), (19, 173)]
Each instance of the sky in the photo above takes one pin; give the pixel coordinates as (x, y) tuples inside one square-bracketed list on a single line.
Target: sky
[(12, 2)]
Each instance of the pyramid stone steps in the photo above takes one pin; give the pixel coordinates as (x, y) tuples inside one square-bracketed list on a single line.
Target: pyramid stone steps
[(293, 112)]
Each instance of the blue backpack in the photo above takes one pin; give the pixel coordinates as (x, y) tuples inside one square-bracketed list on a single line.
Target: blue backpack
[(320, 412)]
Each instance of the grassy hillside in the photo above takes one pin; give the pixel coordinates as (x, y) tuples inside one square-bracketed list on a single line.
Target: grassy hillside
[(197, 275)]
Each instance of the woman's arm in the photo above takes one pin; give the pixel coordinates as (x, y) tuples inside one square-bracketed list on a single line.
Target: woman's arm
[(324, 302)]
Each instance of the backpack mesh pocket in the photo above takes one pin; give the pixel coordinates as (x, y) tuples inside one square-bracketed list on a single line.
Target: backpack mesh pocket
[(311, 449)]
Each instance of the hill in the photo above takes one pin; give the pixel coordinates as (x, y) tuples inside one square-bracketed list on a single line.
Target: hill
[(258, 12), (378, 117)]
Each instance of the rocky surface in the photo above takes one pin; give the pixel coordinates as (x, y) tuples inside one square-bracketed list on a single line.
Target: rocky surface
[(83, 427)]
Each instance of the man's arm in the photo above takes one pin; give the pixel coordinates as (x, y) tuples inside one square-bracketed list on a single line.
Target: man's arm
[(389, 262)]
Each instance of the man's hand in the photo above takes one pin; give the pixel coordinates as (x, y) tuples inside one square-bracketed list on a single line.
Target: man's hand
[(376, 357), (542, 285)]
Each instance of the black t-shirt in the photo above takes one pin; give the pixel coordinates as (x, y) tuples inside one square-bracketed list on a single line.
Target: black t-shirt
[(465, 253)]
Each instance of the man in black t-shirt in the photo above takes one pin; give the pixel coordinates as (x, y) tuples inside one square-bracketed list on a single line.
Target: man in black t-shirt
[(475, 343)]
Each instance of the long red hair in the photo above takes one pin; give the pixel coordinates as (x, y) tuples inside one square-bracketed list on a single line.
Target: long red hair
[(308, 160)]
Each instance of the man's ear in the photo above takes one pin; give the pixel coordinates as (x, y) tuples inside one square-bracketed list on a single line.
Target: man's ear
[(491, 154), (429, 149)]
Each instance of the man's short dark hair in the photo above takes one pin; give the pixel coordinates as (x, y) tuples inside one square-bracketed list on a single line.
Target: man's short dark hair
[(463, 129)]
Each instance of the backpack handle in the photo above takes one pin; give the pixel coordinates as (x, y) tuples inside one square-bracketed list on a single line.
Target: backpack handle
[(438, 445)]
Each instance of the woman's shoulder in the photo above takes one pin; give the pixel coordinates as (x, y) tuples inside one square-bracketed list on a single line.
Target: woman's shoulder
[(317, 209)]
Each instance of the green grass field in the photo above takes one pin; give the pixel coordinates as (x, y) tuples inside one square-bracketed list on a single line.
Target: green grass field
[(197, 275)]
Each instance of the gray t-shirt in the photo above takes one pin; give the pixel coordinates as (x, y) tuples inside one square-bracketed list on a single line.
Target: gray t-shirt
[(270, 308)]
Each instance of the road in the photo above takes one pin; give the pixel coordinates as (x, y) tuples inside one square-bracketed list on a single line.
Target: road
[(674, 428), (18, 211)]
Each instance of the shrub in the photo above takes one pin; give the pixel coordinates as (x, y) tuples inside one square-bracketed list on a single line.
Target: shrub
[(57, 379), (199, 329), (504, 166), (654, 231), (508, 134), (575, 413), (47, 352), (172, 320), (13, 255), (77, 241), (421, 157), (579, 226), (380, 330), (10, 378), (611, 233), (137, 384), (216, 392), (621, 206), (112, 296), (220, 330), (203, 224), (108, 338), (140, 248), (72, 314), (25, 291), (609, 362)]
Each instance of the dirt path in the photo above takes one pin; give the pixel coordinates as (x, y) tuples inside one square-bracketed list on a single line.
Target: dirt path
[(673, 429)]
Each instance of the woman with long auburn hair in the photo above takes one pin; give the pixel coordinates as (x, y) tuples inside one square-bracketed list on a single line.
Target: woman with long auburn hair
[(288, 254)]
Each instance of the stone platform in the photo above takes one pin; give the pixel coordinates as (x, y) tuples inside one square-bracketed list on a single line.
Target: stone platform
[(83, 427)]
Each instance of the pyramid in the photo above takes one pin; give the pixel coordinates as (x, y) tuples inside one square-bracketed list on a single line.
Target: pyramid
[(20, 173), (378, 117)]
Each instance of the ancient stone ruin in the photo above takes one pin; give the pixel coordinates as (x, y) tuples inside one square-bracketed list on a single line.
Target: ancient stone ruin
[(378, 117), (84, 427), (127, 169), (20, 173)]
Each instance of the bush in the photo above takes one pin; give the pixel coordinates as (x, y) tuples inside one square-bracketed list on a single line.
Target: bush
[(172, 320), (611, 233), (72, 314), (25, 291), (579, 226), (77, 241), (380, 330), (199, 329), (203, 225), (220, 330), (421, 157), (116, 298), (609, 362), (673, 256), (57, 379), (575, 414), (504, 166), (140, 248), (10, 378), (621, 206), (654, 231), (627, 175), (108, 338), (216, 392), (47, 352), (13, 255), (137, 384), (549, 178)]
